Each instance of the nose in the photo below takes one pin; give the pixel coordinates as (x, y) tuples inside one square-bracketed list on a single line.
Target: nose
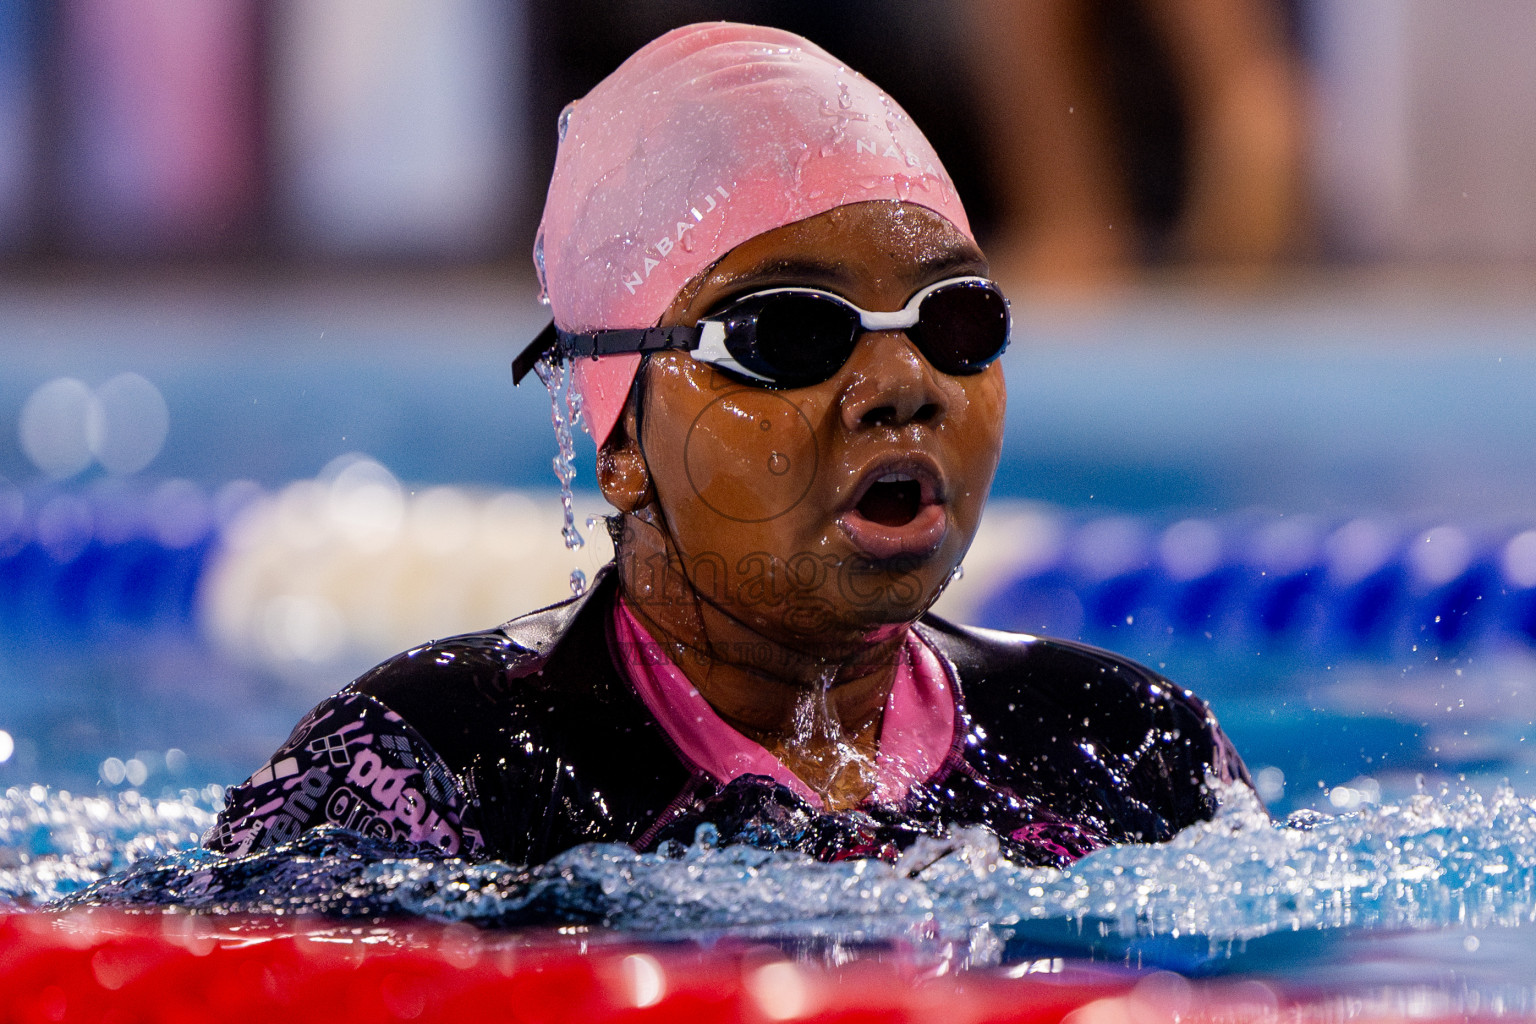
[(888, 383)]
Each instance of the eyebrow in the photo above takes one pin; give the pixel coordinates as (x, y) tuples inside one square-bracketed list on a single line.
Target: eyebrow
[(795, 271), (956, 259)]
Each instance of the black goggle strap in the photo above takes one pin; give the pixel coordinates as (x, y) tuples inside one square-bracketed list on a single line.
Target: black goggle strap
[(707, 340), (603, 343)]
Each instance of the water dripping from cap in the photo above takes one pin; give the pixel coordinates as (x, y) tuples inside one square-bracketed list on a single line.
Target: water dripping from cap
[(564, 412), (538, 263)]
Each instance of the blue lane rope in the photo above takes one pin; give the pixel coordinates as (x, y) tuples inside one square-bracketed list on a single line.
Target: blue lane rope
[(98, 564), (74, 564)]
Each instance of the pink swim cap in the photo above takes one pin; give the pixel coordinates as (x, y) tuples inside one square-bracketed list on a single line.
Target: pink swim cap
[(706, 137)]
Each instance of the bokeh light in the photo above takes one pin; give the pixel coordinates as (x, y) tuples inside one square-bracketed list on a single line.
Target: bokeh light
[(1519, 559), (65, 426), (1439, 555), (129, 424), (55, 428)]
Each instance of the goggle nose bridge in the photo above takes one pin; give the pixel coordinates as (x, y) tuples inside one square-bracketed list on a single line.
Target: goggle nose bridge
[(897, 320)]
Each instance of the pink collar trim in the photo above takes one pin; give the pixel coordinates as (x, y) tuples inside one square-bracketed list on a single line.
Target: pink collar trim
[(916, 731)]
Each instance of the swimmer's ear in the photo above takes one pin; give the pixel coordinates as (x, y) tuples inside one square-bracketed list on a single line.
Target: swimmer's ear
[(622, 474)]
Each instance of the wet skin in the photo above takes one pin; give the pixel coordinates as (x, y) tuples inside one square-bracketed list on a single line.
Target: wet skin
[(761, 552)]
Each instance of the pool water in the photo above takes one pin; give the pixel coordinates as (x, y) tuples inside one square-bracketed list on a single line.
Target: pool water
[(1426, 898), (1374, 659), (1397, 855)]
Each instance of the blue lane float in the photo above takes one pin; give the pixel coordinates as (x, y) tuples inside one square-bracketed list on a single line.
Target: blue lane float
[(135, 558), (1363, 588), (103, 561)]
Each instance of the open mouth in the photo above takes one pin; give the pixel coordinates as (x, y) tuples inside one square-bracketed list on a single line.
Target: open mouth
[(893, 500), (899, 512)]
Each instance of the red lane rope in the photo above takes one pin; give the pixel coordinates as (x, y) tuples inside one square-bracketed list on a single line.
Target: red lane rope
[(178, 969), (174, 968)]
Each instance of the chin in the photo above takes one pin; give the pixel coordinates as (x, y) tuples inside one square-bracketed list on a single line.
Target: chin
[(893, 592)]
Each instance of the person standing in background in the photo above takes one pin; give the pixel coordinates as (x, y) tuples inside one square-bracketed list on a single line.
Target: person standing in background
[(1066, 209)]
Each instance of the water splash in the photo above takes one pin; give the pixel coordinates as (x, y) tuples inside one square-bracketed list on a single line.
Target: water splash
[(817, 738), (1218, 894), (565, 411), (54, 843)]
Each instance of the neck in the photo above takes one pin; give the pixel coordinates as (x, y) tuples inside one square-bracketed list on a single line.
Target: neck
[(814, 702)]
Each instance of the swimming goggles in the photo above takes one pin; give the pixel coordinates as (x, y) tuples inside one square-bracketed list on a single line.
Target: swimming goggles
[(795, 337)]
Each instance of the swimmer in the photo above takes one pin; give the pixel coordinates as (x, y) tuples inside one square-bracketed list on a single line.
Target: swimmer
[(785, 343)]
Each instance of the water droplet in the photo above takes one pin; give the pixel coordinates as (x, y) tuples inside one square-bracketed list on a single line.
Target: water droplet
[(564, 412), (706, 837), (563, 122), (538, 265)]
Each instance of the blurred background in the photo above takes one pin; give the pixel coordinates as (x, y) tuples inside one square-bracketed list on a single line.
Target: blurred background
[(263, 266)]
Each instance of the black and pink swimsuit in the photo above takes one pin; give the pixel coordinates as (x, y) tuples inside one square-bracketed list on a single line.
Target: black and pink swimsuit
[(566, 726)]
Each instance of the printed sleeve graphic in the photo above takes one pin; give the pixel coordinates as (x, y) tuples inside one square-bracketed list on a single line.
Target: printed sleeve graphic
[(353, 763)]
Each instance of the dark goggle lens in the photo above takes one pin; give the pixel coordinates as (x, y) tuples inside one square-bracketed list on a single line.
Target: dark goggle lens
[(795, 339), (962, 328)]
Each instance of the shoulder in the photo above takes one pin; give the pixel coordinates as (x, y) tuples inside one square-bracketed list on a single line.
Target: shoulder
[(464, 693), (1061, 675), (483, 663), (523, 739), (1041, 695), (353, 763)]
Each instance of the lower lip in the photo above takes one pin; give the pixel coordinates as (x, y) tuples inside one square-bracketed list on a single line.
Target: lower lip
[(918, 538)]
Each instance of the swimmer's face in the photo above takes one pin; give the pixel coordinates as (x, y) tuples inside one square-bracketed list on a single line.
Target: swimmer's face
[(841, 506)]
